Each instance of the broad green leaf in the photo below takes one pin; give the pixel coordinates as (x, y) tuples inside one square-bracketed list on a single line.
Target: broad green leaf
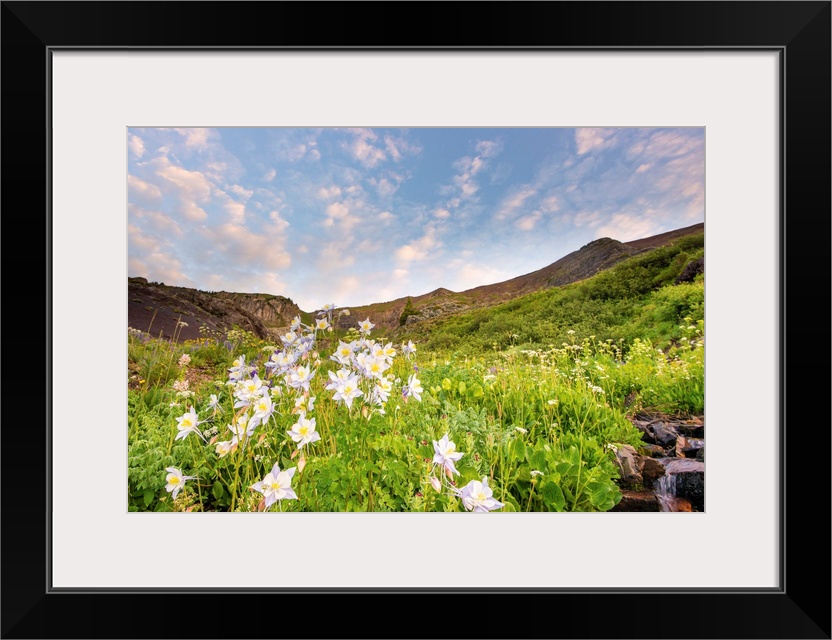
[(553, 496), (217, 490), (462, 388), (518, 450), (148, 497)]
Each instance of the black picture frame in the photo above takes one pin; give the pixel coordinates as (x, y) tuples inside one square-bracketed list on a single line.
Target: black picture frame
[(799, 31)]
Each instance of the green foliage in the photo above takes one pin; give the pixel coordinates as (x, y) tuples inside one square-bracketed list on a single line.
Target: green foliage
[(406, 312)]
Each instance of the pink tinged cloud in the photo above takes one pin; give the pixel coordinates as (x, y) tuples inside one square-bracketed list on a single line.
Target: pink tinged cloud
[(139, 190), (136, 146), (625, 227), (196, 138), (588, 139)]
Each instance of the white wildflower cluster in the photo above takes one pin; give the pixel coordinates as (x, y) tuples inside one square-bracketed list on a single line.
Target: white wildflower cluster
[(288, 375)]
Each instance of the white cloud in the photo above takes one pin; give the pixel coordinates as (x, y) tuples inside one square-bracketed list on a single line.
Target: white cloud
[(489, 148), (269, 175), (442, 213), (138, 189), (589, 139), (513, 203), (190, 184), (241, 191), (527, 223), (196, 138), (587, 219), (136, 145), (550, 204), (472, 275), (337, 211), (625, 227), (240, 246), (418, 249), (329, 192), (366, 154), (385, 216), (159, 222), (643, 167)]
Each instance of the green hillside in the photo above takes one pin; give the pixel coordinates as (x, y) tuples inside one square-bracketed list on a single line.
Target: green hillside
[(638, 298)]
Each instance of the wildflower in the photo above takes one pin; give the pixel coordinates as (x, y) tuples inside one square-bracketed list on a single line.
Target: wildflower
[(413, 388), (241, 428), (305, 403), (276, 485), (344, 312), (181, 324), (175, 481), (446, 454), (343, 353), (184, 360), (437, 485), (409, 349), (476, 497), (322, 324), (188, 423), (303, 431), (224, 448), (552, 403), (365, 325), (520, 429), (263, 409), (381, 392), (300, 377), (214, 403), (347, 391), (180, 385), (535, 472), (239, 369)]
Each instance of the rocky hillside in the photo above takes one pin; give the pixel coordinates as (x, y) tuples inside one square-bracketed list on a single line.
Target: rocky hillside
[(581, 264), (157, 308)]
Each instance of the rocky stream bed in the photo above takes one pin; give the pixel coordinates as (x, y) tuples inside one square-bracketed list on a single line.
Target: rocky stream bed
[(667, 473)]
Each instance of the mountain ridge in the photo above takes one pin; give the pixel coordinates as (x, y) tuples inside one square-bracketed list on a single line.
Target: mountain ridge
[(172, 311)]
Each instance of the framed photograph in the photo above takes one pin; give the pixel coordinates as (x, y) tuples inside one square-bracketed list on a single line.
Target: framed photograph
[(89, 88)]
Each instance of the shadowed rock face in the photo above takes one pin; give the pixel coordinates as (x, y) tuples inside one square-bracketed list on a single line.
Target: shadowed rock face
[(157, 308)]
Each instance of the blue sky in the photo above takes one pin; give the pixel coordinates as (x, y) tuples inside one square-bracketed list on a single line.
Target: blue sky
[(353, 216)]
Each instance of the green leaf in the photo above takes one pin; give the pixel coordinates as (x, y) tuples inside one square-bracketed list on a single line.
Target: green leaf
[(553, 496), (217, 490), (477, 391), (148, 497), (508, 507), (425, 451), (518, 450), (538, 460), (462, 388)]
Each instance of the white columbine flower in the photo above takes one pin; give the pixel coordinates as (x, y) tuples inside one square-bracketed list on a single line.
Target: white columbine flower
[(224, 448), (409, 349), (214, 403), (188, 423), (446, 454), (322, 324), (365, 325), (303, 431), (414, 388), (476, 497), (263, 409), (175, 481), (347, 391), (276, 485)]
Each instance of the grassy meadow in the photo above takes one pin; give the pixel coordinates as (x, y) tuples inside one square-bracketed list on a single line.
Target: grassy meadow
[(514, 407)]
